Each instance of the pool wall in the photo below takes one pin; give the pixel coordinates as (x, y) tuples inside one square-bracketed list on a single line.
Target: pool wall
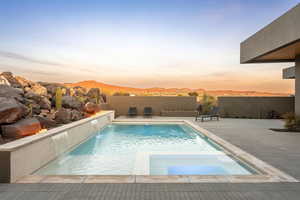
[(26, 155)]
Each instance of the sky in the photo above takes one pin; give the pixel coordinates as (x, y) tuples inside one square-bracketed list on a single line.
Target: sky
[(140, 43)]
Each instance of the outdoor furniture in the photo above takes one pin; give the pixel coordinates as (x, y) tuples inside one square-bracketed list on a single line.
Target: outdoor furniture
[(213, 114), (148, 111), (132, 111)]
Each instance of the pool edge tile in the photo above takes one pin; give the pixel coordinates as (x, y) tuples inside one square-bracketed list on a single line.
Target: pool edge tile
[(30, 179), (109, 179), (161, 179), (63, 179)]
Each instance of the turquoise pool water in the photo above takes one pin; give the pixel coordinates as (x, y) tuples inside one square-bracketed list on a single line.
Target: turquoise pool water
[(114, 149)]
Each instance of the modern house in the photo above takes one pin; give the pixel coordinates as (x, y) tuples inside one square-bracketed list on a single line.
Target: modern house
[(278, 42)]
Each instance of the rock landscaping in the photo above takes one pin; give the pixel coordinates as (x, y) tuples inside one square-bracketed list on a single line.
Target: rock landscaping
[(27, 107)]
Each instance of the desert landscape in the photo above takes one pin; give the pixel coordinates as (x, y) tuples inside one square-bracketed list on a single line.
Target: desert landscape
[(158, 91)]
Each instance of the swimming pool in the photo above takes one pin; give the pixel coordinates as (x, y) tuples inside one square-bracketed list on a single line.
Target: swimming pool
[(147, 149)]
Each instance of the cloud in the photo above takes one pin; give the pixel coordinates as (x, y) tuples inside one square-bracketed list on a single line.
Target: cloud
[(16, 56)]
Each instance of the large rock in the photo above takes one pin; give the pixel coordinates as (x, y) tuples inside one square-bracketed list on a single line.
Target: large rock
[(11, 79), (23, 82), (46, 123), (51, 87), (45, 103), (33, 96), (38, 89), (8, 91), (92, 108), (4, 81), (71, 102), (11, 110), (76, 115), (36, 109), (21, 128), (63, 116)]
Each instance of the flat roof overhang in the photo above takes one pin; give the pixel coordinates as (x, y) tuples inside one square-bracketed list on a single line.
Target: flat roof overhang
[(277, 42)]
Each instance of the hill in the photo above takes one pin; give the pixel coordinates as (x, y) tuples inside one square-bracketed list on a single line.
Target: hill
[(111, 89)]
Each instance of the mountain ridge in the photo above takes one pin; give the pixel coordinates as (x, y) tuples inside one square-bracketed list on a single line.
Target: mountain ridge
[(111, 89)]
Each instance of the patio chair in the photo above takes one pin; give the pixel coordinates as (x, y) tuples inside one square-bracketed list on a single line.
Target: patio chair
[(213, 114), (132, 111), (148, 111)]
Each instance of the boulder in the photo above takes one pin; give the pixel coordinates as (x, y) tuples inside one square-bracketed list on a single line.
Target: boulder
[(44, 113), (8, 91), (11, 79), (92, 108), (38, 89), (23, 82), (46, 123), (33, 96), (11, 110), (22, 128), (76, 115), (71, 102), (51, 87), (4, 81), (45, 103), (63, 116), (35, 108)]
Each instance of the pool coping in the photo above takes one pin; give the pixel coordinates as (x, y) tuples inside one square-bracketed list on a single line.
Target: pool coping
[(269, 173)]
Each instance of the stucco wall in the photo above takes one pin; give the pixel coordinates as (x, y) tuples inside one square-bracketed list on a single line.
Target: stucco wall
[(158, 103), (254, 107), (24, 156), (297, 85)]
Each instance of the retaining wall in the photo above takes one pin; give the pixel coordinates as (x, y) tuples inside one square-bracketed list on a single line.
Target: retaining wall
[(24, 156)]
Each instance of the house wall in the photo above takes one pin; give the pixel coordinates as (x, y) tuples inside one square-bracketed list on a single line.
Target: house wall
[(254, 107), (158, 103), (282, 31), (24, 156), (297, 85)]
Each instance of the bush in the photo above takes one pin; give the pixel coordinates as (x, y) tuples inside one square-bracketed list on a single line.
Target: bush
[(121, 94), (195, 94), (292, 122), (208, 102)]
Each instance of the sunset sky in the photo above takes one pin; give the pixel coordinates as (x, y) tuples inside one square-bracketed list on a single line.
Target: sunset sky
[(139, 43)]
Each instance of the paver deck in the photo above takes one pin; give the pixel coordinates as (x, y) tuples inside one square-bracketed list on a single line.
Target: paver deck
[(282, 150)]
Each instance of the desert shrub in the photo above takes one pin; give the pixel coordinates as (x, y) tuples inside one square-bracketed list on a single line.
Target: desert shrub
[(292, 122), (195, 94), (208, 102), (121, 94), (81, 99)]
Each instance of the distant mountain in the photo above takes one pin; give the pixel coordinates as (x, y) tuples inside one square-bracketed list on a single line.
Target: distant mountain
[(111, 89)]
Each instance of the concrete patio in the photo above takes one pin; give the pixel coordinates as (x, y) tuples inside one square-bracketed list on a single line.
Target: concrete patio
[(282, 150)]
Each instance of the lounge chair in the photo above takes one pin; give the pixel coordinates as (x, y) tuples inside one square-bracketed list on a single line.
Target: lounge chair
[(213, 114), (148, 111), (132, 111)]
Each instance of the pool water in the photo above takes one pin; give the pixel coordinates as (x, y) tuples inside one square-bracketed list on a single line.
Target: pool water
[(114, 149)]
